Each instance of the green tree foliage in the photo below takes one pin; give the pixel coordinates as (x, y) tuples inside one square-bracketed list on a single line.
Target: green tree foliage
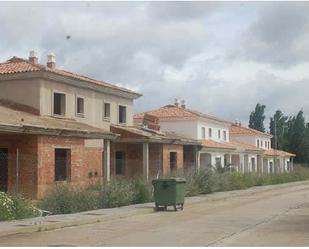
[(292, 134), (278, 128), (257, 118)]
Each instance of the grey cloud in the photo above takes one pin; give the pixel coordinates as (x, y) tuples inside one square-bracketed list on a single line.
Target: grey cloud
[(278, 36), (137, 44)]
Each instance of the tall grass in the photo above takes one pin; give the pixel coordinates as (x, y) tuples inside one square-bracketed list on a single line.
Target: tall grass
[(66, 199), (122, 192)]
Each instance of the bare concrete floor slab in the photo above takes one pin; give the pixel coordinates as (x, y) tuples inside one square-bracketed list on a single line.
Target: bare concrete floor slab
[(276, 217)]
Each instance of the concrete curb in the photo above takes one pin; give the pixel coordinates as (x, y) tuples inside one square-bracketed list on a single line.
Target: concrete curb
[(53, 222)]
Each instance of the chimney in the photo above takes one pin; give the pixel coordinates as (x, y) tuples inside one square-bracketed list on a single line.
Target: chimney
[(51, 60), (176, 102), (151, 122), (33, 57), (183, 104)]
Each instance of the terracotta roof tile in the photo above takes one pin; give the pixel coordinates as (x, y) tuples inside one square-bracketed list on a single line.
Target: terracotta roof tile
[(18, 65), (240, 130), (245, 146), (172, 112), (131, 132), (273, 152), (218, 145)]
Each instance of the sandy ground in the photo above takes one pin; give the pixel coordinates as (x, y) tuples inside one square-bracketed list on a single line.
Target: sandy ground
[(275, 217)]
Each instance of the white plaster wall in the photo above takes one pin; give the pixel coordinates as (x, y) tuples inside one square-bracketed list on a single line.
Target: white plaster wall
[(243, 139), (262, 141), (250, 164), (93, 104), (215, 127), (186, 128), (217, 155), (26, 92), (252, 140)]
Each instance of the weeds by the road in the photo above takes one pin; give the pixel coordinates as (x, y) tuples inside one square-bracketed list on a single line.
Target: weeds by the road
[(64, 199), (14, 207)]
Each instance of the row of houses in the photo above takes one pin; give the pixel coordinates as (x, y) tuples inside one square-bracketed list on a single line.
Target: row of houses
[(57, 126)]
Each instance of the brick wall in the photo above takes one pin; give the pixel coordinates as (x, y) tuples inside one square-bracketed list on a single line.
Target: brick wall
[(167, 148), (86, 163), (27, 163), (159, 158)]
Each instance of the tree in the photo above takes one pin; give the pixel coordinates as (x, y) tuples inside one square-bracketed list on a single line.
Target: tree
[(257, 118), (296, 136), (278, 128)]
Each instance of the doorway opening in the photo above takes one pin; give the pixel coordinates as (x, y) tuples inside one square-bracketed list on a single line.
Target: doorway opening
[(173, 161), (4, 169)]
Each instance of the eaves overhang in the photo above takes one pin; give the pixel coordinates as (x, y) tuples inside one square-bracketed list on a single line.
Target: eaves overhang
[(73, 82), (34, 130)]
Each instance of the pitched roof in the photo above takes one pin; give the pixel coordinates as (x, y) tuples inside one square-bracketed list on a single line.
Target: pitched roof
[(245, 146), (18, 65), (17, 119), (172, 112), (273, 152), (217, 145), (240, 130), (130, 133)]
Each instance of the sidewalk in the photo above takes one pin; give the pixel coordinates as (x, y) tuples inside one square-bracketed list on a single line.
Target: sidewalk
[(68, 220)]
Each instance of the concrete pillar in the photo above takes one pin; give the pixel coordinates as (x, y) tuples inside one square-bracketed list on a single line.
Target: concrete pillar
[(146, 160), (242, 163), (246, 164), (197, 160), (106, 163)]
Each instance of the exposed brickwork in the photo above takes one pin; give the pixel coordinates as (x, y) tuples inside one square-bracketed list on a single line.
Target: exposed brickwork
[(86, 163), (27, 146), (159, 158), (167, 148)]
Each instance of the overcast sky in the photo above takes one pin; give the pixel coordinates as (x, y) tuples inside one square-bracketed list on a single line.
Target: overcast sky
[(222, 58)]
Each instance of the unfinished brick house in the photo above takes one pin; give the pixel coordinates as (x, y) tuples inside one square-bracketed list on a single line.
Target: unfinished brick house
[(57, 126)]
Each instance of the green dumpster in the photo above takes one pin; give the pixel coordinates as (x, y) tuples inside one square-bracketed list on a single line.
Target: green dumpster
[(169, 192)]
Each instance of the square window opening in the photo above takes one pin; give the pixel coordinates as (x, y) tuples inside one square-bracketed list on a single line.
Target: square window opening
[(59, 104), (80, 106), (122, 114), (106, 111)]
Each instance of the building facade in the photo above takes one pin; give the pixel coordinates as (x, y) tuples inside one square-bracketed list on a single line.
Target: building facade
[(223, 143), (60, 127)]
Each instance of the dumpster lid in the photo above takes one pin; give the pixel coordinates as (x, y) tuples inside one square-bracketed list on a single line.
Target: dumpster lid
[(174, 179)]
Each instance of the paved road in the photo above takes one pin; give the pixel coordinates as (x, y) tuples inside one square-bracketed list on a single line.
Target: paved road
[(276, 217)]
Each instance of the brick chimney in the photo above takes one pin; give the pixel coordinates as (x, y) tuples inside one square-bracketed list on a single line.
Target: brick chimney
[(151, 121), (51, 60), (33, 57)]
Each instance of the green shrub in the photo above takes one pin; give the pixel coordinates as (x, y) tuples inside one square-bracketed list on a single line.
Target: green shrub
[(15, 207), (65, 199), (142, 191), (116, 193), (121, 192)]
